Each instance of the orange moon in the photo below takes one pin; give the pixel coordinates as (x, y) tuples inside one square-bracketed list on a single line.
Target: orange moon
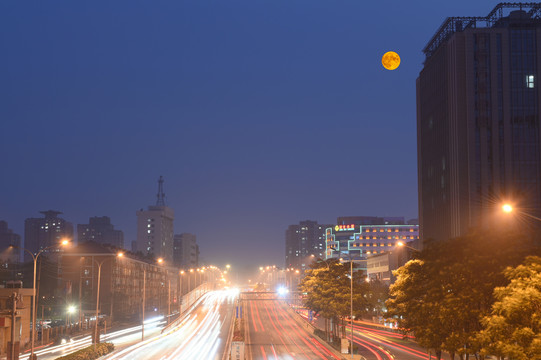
[(390, 60)]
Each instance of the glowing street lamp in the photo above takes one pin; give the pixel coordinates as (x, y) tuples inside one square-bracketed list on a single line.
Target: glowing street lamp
[(507, 208), (402, 244), (181, 274)]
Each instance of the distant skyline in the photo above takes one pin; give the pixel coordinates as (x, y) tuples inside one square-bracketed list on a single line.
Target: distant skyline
[(259, 114)]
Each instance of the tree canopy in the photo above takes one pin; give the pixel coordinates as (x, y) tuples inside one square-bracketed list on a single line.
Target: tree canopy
[(443, 294), (513, 327)]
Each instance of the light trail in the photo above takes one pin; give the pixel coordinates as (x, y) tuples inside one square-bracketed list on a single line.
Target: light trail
[(196, 337), (380, 339)]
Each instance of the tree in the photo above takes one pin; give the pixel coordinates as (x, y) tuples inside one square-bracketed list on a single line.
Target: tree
[(328, 290), (443, 295), (513, 328)]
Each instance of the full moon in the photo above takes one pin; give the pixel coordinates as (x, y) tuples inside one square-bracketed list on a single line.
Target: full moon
[(390, 60)]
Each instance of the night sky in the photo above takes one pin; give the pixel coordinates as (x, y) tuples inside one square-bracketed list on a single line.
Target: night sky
[(259, 114)]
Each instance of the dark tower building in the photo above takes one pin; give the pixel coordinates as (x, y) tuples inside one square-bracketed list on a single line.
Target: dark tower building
[(478, 120), (303, 240), (185, 251), (40, 233), (100, 230)]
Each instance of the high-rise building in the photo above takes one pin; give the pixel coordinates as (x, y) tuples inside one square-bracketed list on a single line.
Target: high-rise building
[(49, 230), (302, 241), (155, 228), (478, 120), (186, 251), (7, 237), (100, 230)]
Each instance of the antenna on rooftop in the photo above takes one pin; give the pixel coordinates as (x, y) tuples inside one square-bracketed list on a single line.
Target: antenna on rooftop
[(161, 196)]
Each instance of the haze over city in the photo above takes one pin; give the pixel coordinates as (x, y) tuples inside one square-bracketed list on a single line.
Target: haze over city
[(257, 114)]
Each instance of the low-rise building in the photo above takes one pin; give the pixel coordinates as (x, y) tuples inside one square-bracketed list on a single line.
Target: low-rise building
[(360, 241), (22, 318), (121, 282), (381, 266)]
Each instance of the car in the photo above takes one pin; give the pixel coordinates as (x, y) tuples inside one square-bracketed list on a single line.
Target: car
[(63, 339)]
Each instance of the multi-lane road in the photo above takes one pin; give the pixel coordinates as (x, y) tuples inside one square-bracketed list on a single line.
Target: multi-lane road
[(201, 333), (272, 332)]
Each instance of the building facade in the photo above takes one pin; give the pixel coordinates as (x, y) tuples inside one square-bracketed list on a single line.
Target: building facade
[(121, 282), (302, 241), (478, 121), (100, 230), (380, 266), (357, 242), (49, 230), (22, 318), (186, 251)]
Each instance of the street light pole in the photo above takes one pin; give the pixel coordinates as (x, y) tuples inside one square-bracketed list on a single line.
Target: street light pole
[(180, 292), (99, 263), (351, 296), (144, 295), (34, 302)]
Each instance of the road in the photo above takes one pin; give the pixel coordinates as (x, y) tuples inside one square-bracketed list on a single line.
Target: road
[(201, 334), (273, 333), (376, 342)]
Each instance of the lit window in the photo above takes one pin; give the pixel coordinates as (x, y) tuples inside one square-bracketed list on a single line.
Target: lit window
[(530, 81)]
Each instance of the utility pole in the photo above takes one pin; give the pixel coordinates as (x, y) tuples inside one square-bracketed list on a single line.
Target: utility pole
[(13, 314), (144, 294)]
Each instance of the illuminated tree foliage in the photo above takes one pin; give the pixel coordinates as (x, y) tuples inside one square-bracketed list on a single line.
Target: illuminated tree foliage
[(327, 290), (442, 295), (513, 328)]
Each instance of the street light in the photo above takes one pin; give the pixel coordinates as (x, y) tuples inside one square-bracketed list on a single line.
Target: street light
[(402, 244), (35, 259), (351, 295), (100, 263), (508, 208), (181, 274)]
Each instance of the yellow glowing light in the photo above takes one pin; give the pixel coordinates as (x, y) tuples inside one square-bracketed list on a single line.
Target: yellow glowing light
[(507, 208), (390, 60), (160, 260), (120, 254), (65, 242), (400, 243)]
